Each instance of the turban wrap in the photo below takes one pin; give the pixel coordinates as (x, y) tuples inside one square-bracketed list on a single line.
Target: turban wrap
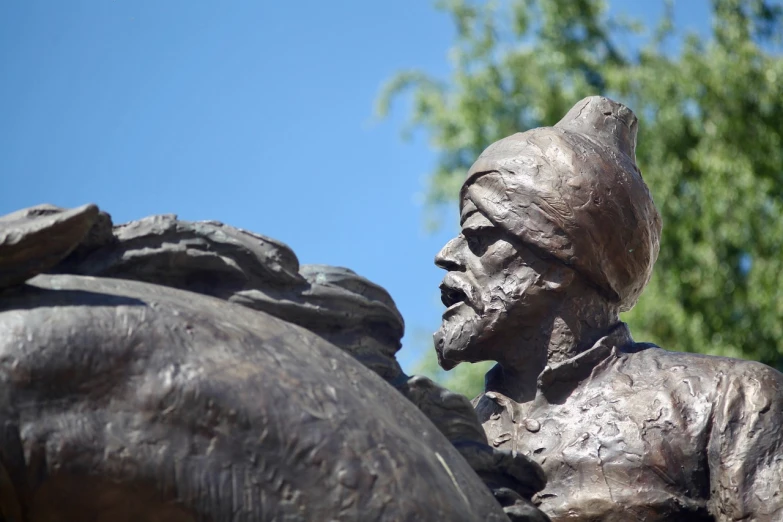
[(574, 192)]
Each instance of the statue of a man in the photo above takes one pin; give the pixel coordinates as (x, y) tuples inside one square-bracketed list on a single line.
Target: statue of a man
[(559, 235)]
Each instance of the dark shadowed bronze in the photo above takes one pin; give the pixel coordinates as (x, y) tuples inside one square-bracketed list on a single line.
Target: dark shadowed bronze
[(559, 235), (166, 370)]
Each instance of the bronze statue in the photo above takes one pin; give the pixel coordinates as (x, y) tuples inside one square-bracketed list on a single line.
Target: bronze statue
[(559, 235), (192, 371)]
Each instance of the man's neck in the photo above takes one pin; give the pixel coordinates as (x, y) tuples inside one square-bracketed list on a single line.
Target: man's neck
[(563, 336)]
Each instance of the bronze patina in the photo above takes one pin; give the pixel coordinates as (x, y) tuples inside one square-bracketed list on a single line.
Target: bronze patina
[(192, 371), (559, 235), (167, 370)]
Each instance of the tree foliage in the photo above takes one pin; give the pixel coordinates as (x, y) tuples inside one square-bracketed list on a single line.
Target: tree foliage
[(710, 110)]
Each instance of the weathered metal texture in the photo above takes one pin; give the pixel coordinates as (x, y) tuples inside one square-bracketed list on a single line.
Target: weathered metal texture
[(129, 401), (211, 258), (347, 310), (146, 378), (627, 431), (559, 235), (34, 239)]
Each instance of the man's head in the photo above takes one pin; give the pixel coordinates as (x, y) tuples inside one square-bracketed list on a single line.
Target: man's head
[(540, 210)]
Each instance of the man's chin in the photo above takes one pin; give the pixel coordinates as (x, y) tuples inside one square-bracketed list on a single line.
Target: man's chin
[(446, 364), (449, 355)]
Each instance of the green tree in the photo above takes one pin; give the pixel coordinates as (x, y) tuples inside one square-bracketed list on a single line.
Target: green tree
[(711, 125)]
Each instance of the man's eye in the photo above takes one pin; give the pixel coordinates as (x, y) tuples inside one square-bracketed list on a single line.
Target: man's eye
[(477, 244), (479, 240)]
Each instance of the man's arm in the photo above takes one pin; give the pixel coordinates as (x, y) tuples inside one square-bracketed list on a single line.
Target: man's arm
[(745, 451)]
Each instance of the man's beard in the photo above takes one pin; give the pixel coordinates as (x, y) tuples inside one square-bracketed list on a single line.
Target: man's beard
[(456, 335)]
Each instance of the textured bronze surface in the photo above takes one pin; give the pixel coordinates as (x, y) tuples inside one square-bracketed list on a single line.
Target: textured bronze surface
[(135, 386), (559, 235)]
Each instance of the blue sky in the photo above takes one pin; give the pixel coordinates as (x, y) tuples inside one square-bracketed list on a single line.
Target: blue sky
[(258, 114)]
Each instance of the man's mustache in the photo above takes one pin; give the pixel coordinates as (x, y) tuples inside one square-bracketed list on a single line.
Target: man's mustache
[(457, 287)]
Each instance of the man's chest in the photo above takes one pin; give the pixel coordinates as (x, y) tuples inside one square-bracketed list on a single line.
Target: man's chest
[(637, 448)]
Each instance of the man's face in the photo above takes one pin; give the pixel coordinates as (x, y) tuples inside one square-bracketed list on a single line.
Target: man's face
[(493, 287)]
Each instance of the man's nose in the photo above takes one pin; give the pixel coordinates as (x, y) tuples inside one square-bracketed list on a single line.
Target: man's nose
[(449, 257)]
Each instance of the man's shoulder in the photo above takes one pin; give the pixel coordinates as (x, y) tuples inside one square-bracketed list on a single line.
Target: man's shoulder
[(726, 369)]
